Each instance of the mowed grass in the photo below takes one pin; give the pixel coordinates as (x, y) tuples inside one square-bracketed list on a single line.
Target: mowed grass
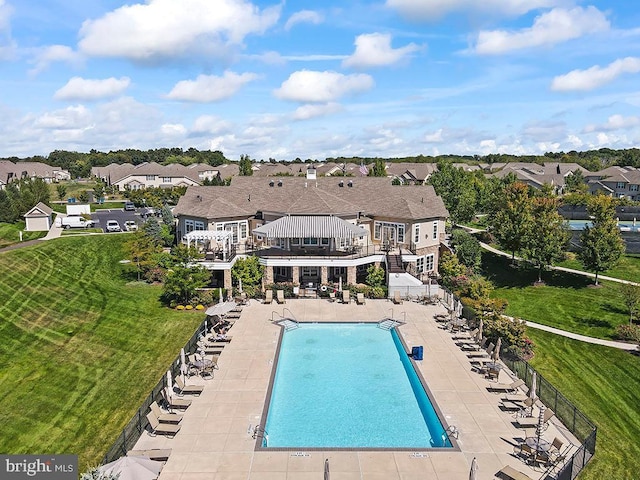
[(81, 348), (604, 383), (628, 268), (567, 301), (10, 234)]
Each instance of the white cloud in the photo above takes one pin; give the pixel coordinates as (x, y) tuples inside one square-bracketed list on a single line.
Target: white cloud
[(211, 125), (54, 53), (303, 16), (433, 9), (309, 86), (435, 137), (614, 122), (161, 29), (173, 129), (595, 76), (555, 26), (210, 88), (305, 112), (544, 131), (374, 50), (86, 89), (72, 117), (7, 44)]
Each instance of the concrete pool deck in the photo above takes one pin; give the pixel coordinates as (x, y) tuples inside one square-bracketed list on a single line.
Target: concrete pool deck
[(215, 441)]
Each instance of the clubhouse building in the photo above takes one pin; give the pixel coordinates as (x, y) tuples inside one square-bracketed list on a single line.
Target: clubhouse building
[(315, 232)]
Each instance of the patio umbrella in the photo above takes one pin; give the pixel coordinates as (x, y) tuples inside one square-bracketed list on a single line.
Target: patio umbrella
[(219, 295), (495, 355), (473, 473), (479, 334), (532, 390), (326, 469), (340, 284), (133, 468), (540, 427), (240, 285), (183, 365), (220, 308), (169, 382)]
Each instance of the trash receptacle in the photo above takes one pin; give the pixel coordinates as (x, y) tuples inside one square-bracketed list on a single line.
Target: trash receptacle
[(416, 352)]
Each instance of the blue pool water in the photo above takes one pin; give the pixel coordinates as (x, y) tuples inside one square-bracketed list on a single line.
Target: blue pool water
[(348, 385), (624, 226)]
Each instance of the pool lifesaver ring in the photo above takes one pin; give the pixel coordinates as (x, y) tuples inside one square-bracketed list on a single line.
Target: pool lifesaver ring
[(323, 288)]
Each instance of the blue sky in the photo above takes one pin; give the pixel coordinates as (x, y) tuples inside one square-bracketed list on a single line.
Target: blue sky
[(319, 79)]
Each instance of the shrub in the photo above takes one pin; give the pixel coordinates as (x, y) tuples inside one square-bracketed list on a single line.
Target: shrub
[(628, 332), (199, 307), (188, 307), (513, 334), (180, 307)]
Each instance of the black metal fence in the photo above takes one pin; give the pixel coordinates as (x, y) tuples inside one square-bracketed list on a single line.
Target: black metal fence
[(138, 423), (570, 416)]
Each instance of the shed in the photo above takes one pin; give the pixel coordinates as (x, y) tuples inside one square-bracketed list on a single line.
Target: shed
[(39, 218)]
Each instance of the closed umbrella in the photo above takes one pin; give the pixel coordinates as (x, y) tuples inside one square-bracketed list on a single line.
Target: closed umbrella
[(326, 469), (540, 428), (473, 473), (532, 390), (133, 468), (480, 333), (340, 284), (496, 351), (219, 295), (240, 285), (169, 382), (183, 365)]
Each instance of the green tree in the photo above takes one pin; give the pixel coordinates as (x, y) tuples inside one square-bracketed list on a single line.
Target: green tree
[(98, 190), (601, 245), (575, 182), (457, 190), (449, 268), (378, 168), (245, 165), (184, 255), (631, 297), (547, 236), (248, 271), (83, 196), (167, 217), (142, 251), (182, 283), (375, 276), (467, 248), (62, 191), (511, 216)]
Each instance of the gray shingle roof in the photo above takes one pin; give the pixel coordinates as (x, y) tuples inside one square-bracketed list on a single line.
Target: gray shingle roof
[(297, 195)]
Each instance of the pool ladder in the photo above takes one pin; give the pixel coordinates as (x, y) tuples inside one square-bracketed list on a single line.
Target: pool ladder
[(289, 324)]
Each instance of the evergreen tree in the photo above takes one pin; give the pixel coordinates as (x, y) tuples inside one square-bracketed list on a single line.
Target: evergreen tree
[(601, 244), (378, 168), (245, 166)]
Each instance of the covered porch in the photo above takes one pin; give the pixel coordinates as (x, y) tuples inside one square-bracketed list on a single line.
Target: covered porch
[(214, 244)]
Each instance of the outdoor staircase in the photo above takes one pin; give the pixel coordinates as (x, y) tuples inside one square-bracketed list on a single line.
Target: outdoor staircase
[(395, 264)]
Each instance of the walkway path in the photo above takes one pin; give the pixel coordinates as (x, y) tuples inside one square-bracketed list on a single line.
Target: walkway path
[(583, 338)]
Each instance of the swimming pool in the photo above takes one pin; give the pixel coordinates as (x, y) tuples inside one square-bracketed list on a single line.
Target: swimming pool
[(348, 385), (624, 226)]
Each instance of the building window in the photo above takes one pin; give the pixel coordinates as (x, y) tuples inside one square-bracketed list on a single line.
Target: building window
[(238, 229), (420, 265), (392, 231), (151, 177), (310, 241), (166, 179), (295, 241), (310, 272), (377, 228), (401, 233), (189, 226), (633, 188), (416, 234), (198, 225), (324, 241), (428, 263), (621, 185), (435, 230)]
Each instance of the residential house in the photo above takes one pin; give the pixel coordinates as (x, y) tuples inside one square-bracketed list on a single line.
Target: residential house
[(11, 172), (39, 218), (536, 175), (316, 231), (618, 182)]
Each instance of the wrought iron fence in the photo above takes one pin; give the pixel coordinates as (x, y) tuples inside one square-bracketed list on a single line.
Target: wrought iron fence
[(138, 423)]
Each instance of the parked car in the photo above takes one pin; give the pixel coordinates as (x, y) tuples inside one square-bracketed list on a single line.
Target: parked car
[(113, 226), (130, 226), (129, 206), (76, 221)]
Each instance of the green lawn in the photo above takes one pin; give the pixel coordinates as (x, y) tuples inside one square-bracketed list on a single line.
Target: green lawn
[(10, 234), (627, 269), (567, 301), (605, 385), (81, 348)]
